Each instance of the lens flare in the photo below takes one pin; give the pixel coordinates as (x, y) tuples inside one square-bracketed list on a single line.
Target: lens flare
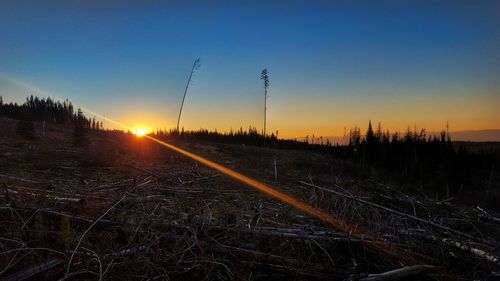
[(335, 222), (260, 186)]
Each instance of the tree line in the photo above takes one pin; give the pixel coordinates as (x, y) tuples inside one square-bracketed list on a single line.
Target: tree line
[(429, 161), (47, 110)]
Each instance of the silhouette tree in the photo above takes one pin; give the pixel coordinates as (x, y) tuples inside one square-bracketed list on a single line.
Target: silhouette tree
[(196, 65), (44, 110), (80, 128), (265, 78), (370, 135)]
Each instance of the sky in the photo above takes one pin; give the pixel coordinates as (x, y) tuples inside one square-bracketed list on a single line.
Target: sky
[(332, 64)]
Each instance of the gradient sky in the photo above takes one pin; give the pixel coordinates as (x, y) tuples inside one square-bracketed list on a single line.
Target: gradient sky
[(332, 64)]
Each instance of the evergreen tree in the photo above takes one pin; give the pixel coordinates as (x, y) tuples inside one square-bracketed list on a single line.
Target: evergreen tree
[(80, 128), (370, 135)]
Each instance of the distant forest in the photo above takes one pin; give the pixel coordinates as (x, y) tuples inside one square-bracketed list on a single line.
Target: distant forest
[(35, 109), (428, 161), (46, 111)]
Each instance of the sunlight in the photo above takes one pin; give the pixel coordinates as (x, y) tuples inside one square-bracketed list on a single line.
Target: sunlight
[(140, 132)]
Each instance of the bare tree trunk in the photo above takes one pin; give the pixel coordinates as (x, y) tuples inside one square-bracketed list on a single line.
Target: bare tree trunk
[(195, 65), (265, 78), (265, 111)]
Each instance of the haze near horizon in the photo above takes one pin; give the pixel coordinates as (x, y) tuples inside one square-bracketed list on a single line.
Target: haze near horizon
[(331, 65)]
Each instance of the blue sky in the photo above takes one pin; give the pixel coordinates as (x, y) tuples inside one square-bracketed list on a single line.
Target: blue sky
[(332, 65)]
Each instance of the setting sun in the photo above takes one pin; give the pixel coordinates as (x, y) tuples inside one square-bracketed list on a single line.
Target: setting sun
[(140, 132)]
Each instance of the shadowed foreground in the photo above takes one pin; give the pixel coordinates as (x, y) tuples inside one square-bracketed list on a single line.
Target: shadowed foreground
[(122, 207)]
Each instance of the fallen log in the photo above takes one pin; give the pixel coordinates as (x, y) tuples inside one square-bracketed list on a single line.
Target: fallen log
[(145, 171), (149, 198), (443, 227), (300, 234), (488, 215), (398, 274), (31, 271), (102, 224), (478, 252), (18, 178), (49, 197)]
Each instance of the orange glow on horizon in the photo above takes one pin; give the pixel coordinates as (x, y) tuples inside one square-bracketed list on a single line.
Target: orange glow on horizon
[(140, 132)]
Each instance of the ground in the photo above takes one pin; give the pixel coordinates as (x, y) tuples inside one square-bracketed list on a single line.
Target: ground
[(121, 207)]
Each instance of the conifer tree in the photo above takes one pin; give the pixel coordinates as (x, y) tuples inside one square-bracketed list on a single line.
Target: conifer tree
[(80, 128)]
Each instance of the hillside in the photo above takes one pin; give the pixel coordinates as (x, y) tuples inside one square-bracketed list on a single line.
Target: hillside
[(121, 207)]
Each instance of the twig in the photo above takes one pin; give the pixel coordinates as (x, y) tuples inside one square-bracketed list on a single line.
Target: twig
[(88, 229)]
